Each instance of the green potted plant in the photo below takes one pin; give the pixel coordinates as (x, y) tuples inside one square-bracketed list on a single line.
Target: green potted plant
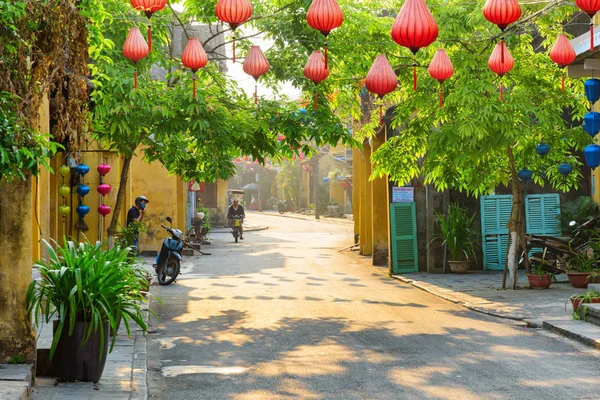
[(539, 278), (590, 296), (455, 231), (582, 270), (86, 289)]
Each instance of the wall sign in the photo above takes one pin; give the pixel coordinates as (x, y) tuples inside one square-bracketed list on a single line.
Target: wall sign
[(403, 194)]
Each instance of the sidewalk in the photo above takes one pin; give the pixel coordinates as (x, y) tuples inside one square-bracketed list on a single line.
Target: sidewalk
[(341, 221), (481, 292)]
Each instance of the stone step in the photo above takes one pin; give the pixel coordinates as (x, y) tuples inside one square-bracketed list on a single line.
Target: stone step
[(15, 381), (594, 286), (592, 313)]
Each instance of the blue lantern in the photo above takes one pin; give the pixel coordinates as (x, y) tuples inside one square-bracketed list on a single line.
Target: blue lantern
[(326, 179), (592, 155), (83, 189), (565, 169), (542, 149), (525, 175), (82, 169), (82, 210), (592, 90), (591, 123)]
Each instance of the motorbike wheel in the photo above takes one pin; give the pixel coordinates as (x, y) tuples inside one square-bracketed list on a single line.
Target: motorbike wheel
[(168, 272), (281, 211)]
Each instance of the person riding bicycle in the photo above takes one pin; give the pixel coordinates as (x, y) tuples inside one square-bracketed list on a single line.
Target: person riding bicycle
[(236, 211)]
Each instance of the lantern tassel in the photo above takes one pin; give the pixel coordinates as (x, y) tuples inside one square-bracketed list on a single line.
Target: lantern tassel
[(135, 83), (591, 34), (316, 99), (256, 93), (325, 47), (381, 114), (502, 50), (233, 43), (149, 37), (441, 96), (563, 81), (415, 77), (194, 80), (501, 98)]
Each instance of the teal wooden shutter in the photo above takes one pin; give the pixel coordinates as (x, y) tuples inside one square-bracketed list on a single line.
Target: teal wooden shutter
[(403, 226), (542, 213), (495, 214)]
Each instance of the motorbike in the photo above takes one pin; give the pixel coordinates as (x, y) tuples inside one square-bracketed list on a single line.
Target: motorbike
[(283, 206), (197, 234), (556, 251), (236, 229), (168, 261)]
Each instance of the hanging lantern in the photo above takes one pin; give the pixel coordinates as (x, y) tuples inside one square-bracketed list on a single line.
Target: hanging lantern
[(381, 80), (501, 65), (82, 210), (502, 13), (591, 123), (325, 16), (104, 189), (103, 210), (82, 169), (135, 48), (256, 65), (565, 169), (414, 28), (64, 170), (149, 7), (64, 210), (83, 190), (103, 169), (234, 13), (525, 175), (592, 155), (563, 54), (64, 191), (590, 7), (592, 89), (542, 149), (194, 57), (441, 69), (316, 70)]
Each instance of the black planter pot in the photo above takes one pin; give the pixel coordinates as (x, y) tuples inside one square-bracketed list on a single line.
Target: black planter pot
[(74, 362)]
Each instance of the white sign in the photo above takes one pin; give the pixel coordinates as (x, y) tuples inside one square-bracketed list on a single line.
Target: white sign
[(403, 194)]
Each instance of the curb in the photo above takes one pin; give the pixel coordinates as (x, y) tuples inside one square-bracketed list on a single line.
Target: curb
[(324, 219), (15, 381), (572, 334)]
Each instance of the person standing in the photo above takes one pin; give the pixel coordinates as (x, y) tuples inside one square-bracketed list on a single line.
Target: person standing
[(136, 214), (236, 211)]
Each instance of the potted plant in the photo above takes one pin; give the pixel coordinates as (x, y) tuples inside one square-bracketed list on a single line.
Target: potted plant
[(540, 279), (87, 289), (455, 231), (582, 270), (590, 296)]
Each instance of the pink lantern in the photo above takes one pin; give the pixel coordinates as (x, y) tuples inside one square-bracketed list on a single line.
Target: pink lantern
[(103, 169), (104, 210), (104, 189)]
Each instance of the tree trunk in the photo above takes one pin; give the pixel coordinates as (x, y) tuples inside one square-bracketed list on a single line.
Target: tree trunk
[(516, 229), (112, 229)]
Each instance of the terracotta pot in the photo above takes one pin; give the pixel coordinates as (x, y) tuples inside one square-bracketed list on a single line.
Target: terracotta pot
[(577, 302), (146, 287), (580, 279), (459, 267), (539, 281)]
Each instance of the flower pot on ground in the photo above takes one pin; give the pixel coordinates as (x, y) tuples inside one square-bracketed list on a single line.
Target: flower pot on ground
[(578, 300), (539, 279), (89, 290), (456, 233), (582, 270)]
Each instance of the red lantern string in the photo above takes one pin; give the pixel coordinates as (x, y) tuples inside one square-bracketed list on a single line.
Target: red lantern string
[(149, 7), (194, 57), (325, 16), (256, 65), (316, 70), (500, 66), (502, 13), (381, 80), (590, 7), (234, 13), (441, 69), (135, 48), (414, 28), (563, 54)]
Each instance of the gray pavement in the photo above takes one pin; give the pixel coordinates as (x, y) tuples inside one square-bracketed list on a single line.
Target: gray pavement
[(283, 314)]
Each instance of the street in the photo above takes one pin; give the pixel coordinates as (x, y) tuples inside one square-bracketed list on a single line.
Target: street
[(284, 314)]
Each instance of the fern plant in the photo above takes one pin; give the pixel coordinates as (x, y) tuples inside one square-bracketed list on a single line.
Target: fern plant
[(456, 232)]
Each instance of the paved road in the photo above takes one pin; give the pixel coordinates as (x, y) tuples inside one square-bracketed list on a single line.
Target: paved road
[(285, 315)]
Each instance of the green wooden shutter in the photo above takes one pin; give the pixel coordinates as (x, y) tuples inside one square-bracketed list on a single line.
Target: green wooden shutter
[(495, 214), (542, 212), (403, 226)]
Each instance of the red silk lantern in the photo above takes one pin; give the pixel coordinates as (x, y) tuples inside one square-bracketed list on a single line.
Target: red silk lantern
[(103, 210), (103, 169), (194, 57), (563, 54), (502, 13), (414, 28), (381, 80), (256, 65), (501, 65), (590, 7), (149, 7), (325, 16), (135, 48), (316, 70), (441, 69), (234, 13), (104, 189)]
